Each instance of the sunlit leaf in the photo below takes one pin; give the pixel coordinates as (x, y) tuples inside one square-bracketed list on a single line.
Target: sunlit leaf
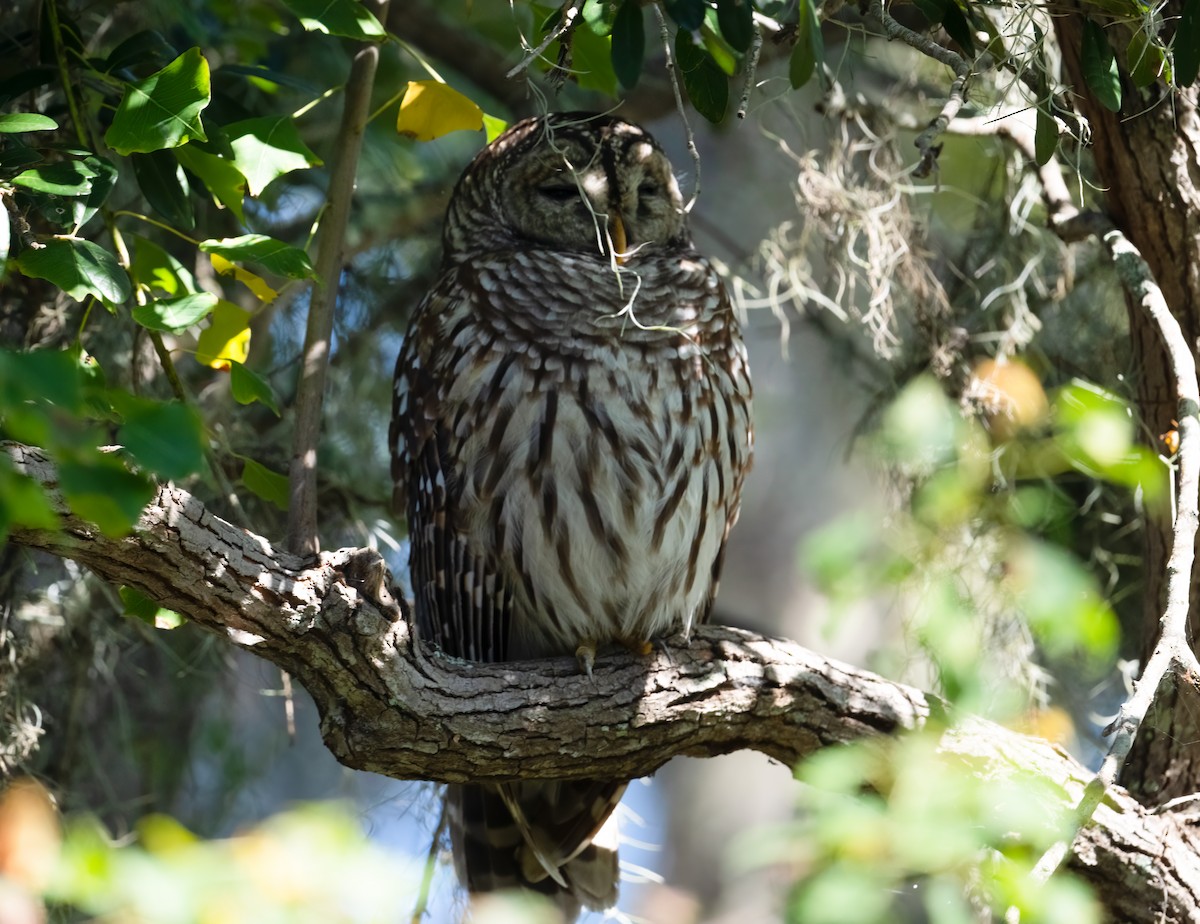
[(431, 109), (12, 122), (262, 482), (255, 283), (175, 314), (65, 178), (248, 386), (493, 127), (80, 268), (722, 52), (347, 18), (276, 256), (267, 148), (628, 43), (156, 269), (163, 111), (139, 606), (1100, 67), (226, 340), (221, 178)]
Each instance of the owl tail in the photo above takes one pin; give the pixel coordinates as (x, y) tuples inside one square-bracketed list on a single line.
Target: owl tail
[(540, 835)]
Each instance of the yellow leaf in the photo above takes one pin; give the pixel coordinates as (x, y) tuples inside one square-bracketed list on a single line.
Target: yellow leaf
[(431, 109), (226, 339), (255, 283)]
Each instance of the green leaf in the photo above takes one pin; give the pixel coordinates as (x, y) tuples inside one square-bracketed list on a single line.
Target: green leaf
[(175, 314), (163, 111), (493, 127), (162, 182), (1045, 137), (262, 482), (248, 386), (259, 73), (688, 14), (628, 43), (267, 148), (275, 255), (105, 493), (142, 49), (1186, 44), (22, 502), (156, 269), (347, 18), (24, 80), (223, 180), (79, 268), (591, 56), (722, 52), (1147, 60), (707, 86), (1100, 67), (809, 49), (736, 19), (26, 122), (955, 24), (103, 180), (164, 437), (65, 178), (139, 606), (5, 241), (226, 340)]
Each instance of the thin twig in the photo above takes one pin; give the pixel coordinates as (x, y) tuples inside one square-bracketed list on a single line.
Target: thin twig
[(431, 862), (568, 22), (925, 142), (756, 44), (310, 392), (673, 70)]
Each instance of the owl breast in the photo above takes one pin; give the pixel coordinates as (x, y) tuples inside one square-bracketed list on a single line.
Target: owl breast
[(599, 437)]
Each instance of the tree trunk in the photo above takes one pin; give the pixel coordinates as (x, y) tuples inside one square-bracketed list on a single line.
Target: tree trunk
[(1147, 159)]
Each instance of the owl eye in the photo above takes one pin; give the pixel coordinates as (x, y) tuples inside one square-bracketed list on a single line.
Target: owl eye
[(558, 193), (648, 189)]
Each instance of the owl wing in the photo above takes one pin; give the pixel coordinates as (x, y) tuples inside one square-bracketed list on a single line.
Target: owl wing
[(462, 604)]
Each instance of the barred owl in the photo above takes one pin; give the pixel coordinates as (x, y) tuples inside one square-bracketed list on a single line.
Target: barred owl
[(570, 433)]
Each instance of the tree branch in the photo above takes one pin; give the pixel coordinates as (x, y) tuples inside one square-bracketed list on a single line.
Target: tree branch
[(388, 706), (310, 390)]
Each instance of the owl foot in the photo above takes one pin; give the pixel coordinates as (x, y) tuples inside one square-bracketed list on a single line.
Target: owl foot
[(586, 653)]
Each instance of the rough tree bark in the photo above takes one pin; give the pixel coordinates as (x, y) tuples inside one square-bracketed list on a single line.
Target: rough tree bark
[(1147, 159), (390, 707)]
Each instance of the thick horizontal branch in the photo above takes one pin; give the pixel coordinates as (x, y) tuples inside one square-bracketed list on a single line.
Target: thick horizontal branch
[(388, 706)]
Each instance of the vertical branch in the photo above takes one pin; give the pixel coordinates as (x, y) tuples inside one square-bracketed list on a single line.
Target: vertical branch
[(310, 393)]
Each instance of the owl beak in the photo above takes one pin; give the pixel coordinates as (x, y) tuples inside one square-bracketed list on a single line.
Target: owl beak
[(619, 241)]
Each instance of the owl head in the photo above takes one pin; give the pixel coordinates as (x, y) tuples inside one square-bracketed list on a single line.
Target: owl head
[(569, 181)]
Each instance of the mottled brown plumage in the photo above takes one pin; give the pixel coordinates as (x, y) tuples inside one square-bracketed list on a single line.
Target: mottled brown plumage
[(570, 434)]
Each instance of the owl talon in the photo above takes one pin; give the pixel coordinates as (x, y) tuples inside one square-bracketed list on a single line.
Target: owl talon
[(586, 653)]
